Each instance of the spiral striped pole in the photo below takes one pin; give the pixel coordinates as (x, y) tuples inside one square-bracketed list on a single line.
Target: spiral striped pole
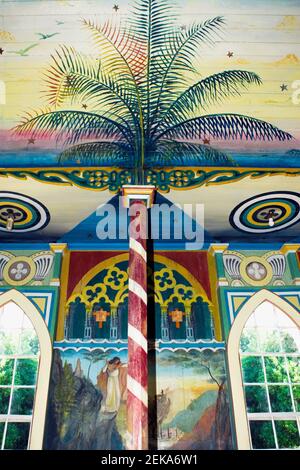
[(138, 199)]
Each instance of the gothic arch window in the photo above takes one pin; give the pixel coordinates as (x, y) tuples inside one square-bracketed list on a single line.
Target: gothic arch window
[(264, 367), (25, 362)]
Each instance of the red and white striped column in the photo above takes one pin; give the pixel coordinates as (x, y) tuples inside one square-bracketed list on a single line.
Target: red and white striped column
[(138, 199)]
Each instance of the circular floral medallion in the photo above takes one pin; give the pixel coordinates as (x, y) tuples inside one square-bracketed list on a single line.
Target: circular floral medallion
[(19, 271), (256, 271)]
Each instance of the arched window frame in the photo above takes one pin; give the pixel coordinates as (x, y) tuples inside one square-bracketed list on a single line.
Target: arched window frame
[(233, 359), (42, 385)]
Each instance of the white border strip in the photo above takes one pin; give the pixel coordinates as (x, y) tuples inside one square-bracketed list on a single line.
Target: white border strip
[(133, 286), (138, 248), (137, 337), (137, 390)]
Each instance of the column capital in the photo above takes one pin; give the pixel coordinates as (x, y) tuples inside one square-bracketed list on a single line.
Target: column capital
[(289, 248), (217, 248), (138, 192), (58, 247)]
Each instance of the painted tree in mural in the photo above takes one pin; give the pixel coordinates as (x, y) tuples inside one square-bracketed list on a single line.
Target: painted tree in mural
[(207, 366), (143, 100)]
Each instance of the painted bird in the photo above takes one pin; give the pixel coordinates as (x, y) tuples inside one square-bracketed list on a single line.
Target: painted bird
[(22, 52), (46, 36)]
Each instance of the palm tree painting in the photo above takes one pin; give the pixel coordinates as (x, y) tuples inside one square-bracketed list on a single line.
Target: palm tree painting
[(142, 101)]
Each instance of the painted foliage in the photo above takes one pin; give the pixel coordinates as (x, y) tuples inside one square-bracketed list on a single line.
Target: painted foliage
[(84, 410), (192, 400), (153, 84), (189, 411)]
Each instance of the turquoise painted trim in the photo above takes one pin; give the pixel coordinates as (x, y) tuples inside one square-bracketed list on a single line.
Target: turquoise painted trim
[(78, 344), (191, 345), (50, 293), (228, 315), (24, 246), (164, 246), (122, 344), (220, 265), (292, 259)]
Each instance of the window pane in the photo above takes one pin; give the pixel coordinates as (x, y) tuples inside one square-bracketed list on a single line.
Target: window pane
[(1, 433), (9, 341), (252, 369), (280, 398), (283, 320), (6, 371), (262, 435), (249, 341), (4, 400), (294, 368), (289, 340), (275, 369), (296, 395), (287, 434), (22, 401), (26, 371), (29, 342), (265, 314), (256, 398), (17, 436), (269, 340), (11, 317)]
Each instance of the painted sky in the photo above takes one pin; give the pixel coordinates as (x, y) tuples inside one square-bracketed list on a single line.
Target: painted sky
[(262, 35)]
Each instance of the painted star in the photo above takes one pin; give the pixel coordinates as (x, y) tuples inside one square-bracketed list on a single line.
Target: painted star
[(229, 54), (1, 51), (183, 27), (84, 106), (206, 141), (31, 141), (283, 87), (116, 7)]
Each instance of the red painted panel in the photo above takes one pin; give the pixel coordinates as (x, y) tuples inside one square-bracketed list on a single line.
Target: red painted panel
[(82, 261), (195, 262)]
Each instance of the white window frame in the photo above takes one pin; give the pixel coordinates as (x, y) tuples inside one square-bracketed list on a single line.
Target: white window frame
[(43, 375), (243, 438)]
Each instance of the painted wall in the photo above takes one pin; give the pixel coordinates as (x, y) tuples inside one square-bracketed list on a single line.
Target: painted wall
[(245, 99), (189, 390)]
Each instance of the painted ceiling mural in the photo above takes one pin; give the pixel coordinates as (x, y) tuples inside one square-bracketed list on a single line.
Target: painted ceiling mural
[(148, 84)]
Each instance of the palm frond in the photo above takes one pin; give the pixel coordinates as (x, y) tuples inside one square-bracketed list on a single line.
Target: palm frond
[(225, 126), (152, 22), (66, 64), (97, 153), (210, 90), (71, 125), (176, 59), (170, 152), (75, 77), (119, 55), (103, 92)]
